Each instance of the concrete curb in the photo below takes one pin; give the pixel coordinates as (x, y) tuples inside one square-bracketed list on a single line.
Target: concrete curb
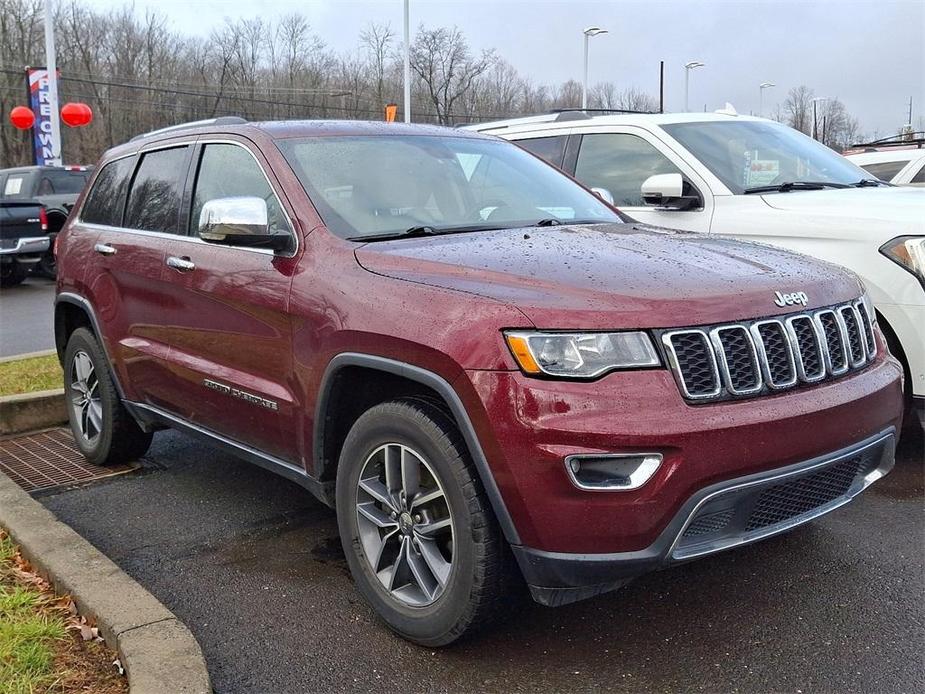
[(30, 411), (28, 355), (157, 650)]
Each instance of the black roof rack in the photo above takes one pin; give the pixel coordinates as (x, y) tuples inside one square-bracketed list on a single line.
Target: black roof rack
[(221, 120), (904, 140)]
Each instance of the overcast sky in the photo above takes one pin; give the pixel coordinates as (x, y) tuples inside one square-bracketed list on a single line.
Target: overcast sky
[(871, 55)]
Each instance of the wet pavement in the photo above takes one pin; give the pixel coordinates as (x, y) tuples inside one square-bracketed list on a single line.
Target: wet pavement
[(252, 564), (27, 317)]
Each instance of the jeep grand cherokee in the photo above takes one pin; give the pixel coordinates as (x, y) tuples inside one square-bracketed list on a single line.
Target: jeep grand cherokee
[(491, 374)]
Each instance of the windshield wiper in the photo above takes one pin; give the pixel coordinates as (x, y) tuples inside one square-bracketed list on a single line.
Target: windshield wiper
[(554, 222), (869, 182), (795, 185), (424, 230)]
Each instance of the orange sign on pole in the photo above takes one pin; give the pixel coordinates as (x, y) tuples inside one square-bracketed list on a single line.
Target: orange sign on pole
[(391, 110)]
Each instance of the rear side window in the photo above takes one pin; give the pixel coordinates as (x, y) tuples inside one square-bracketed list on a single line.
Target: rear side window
[(884, 170), (549, 148), (154, 199), (62, 182), (229, 171), (107, 196), (620, 164), (920, 176)]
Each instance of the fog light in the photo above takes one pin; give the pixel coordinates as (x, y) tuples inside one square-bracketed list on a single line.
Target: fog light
[(612, 471)]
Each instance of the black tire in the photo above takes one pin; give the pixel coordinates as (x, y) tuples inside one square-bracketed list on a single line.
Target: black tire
[(119, 439), (13, 273), (481, 572)]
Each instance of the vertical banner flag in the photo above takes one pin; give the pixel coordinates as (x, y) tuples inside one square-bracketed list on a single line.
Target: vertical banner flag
[(42, 138)]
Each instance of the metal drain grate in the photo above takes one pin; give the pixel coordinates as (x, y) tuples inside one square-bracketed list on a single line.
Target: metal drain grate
[(49, 459)]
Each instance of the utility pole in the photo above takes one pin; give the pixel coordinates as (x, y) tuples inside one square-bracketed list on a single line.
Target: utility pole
[(52, 70), (589, 32), (407, 65)]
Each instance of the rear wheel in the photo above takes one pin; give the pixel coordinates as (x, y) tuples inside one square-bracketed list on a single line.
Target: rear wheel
[(420, 538), (103, 429), (12, 274)]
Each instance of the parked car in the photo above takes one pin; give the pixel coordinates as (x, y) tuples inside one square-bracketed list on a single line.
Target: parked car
[(492, 375), (898, 160), (23, 239), (753, 179), (55, 187)]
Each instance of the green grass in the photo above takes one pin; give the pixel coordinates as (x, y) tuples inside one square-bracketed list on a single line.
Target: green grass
[(30, 375), (27, 634)]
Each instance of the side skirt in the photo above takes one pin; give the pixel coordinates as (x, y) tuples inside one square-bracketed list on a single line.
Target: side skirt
[(150, 415)]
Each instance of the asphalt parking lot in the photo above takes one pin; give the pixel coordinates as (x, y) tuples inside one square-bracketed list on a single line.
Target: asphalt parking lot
[(252, 564), (27, 314)]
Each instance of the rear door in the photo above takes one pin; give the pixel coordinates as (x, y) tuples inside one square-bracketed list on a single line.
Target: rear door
[(230, 331), (135, 224)]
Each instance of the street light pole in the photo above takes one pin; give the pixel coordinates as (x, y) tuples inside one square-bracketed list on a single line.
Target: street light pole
[(687, 80), (589, 32), (52, 70), (815, 121), (761, 88), (407, 61)]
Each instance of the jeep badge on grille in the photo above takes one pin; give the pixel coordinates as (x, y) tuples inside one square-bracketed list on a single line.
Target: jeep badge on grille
[(790, 299)]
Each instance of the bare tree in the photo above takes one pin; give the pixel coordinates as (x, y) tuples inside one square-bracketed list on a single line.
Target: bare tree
[(799, 108), (442, 61)]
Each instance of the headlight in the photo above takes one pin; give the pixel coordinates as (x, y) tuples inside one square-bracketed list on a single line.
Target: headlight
[(909, 252), (580, 355)]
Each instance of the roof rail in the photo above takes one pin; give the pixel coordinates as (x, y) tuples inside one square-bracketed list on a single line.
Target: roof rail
[(222, 120), (554, 116), (902, 140)]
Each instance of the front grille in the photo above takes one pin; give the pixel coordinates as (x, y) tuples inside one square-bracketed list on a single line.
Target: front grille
[(791, 499), (755, 357)]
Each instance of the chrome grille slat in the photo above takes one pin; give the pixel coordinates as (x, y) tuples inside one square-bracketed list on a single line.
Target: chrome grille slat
[(748, 358)]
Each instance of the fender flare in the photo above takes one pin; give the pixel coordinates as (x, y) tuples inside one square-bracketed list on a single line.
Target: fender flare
[(83, 304), (449, 395)]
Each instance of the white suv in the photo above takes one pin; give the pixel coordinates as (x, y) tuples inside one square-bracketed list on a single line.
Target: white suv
[(901, 167), (758, 180)]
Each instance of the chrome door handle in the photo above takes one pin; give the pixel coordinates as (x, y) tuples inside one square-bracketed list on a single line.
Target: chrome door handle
[(180, 264), (104, 249)]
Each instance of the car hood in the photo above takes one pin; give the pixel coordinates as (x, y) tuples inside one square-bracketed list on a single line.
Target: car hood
[(905, 206), (609, 276)]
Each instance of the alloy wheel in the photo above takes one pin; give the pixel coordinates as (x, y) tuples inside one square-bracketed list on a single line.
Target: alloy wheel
[(405, 524), (85, 398)]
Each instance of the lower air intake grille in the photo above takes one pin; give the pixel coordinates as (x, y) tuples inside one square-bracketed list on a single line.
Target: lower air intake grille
[(790, 499)]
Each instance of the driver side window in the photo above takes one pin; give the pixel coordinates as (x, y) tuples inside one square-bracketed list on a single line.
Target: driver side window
[(620, 163), (229, 171)]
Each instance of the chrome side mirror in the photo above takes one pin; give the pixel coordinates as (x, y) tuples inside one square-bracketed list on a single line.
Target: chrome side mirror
[(666, 191), (604, 195), (239, 221)]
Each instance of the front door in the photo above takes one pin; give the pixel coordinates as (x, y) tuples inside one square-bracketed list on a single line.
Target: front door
[(230, 331), (620, 162)]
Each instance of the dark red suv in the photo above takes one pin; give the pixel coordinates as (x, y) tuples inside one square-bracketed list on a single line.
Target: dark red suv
[(491, 374)]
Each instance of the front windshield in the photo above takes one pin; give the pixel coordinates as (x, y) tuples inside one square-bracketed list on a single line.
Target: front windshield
[(367, 186), (753, 154)]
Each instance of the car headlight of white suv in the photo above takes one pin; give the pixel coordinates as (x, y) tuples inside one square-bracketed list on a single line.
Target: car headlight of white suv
[(909, 253)]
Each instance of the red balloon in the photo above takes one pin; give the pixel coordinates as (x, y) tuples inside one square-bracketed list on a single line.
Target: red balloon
[(76, 114), (22, 117)]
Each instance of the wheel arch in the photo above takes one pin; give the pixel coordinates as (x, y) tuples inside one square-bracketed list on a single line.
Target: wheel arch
[(386, 379), (73, 311)]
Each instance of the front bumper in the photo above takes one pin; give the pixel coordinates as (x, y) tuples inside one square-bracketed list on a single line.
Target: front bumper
[(718, 517)]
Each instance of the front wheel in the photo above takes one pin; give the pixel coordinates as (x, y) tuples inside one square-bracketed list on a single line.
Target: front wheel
[(422, 543), (103, 429)]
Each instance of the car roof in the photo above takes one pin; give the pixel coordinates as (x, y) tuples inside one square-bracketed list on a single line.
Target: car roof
[(285, 129), (30, 169), (554, 121), (892, 154)]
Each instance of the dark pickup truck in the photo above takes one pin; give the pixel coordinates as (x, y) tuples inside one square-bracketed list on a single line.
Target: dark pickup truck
[(54, 187), (24, 239)]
